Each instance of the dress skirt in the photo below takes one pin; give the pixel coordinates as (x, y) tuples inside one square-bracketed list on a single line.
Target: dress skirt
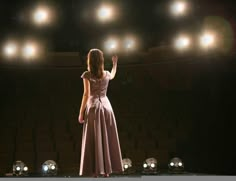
[(100, 150)]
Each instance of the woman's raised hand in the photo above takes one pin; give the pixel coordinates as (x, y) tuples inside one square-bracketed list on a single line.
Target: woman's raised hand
[(114, 59)]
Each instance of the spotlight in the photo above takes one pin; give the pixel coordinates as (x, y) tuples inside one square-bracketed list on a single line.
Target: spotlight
[(112, 45), (20, 169), (127, 165), (42, 15), (10, 50), (182, 43), (49, 168), (105, 13), (150, 166), (130, 43), (207, 40), (178, 8), (176, 165), (30, 50)]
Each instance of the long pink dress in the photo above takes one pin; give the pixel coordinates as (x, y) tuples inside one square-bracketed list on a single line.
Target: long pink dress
[(100, 150)]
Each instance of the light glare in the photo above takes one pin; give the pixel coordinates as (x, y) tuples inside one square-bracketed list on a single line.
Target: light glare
[(105, 13), (207, 40), (53, 167), (10, 49), (42, 15), (178, 8), (182, 42), (129, 43), (29, 50), (45, 168), (111, 44)]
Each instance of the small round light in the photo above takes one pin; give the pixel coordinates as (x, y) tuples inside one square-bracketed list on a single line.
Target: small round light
[(150, 166), (49, 168), (126, 166), (112, 44), (106, 13), (42, 15), (207, 40), (182, 43), (178, 8), (10, 49), (176, 165), (19, 168), (45, 168), (53, 167)]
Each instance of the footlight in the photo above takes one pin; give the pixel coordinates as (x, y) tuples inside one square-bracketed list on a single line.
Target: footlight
[(20, 169), (176, 165), (127, 165), (49, 168), (150, 166)]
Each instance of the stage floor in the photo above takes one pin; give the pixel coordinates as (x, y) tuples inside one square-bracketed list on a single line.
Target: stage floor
[(159, 177)]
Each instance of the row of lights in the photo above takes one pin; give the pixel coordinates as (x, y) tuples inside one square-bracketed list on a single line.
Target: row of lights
[(150, 166), (128, 44), (32, 50), (49, 168), (44, 15), (28, 50), (206, 41), (107, 12)]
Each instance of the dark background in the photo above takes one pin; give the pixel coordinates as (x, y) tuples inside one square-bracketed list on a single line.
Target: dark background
[(166, 109)]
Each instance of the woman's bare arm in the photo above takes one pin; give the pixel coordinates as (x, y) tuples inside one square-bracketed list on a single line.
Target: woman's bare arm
[(85, 97), (114, 67)]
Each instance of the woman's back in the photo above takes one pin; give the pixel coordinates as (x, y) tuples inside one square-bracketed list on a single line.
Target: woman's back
[(98, 87)]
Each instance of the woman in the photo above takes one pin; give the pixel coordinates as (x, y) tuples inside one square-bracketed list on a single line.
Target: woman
[(100, 151)]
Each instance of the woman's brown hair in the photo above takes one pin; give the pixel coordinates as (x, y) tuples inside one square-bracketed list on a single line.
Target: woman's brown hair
[(95, 63)]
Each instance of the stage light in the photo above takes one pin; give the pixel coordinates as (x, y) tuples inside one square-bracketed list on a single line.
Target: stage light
[(20, 169), (49, 168), (182, 43), (112, 45), (42, 15), (10, 50), (178, 8), (176, 165), (30, 50), (129, 43), (150, 166), (207, 40), (127, 164), (105, 13)]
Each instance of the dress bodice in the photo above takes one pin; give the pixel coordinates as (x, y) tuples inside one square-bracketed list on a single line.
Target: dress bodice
[(98, 87)]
